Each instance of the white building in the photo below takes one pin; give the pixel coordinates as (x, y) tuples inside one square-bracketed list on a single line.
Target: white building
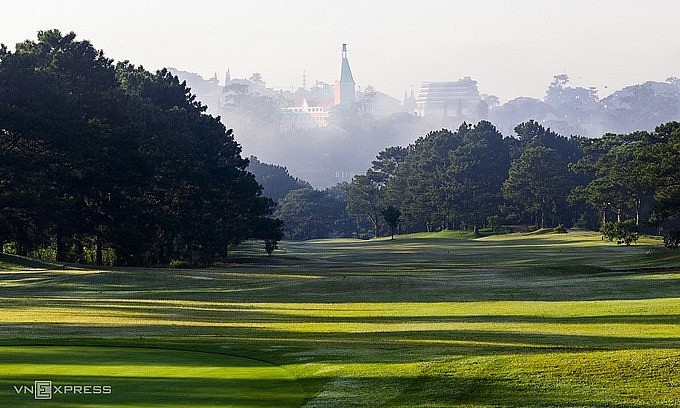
[(447, 99), (306, 116)]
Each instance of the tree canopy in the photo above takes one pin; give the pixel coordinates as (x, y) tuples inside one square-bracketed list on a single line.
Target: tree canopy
[(446, 179), (463, 179), (113, 159), (275, 180), (116, 156)]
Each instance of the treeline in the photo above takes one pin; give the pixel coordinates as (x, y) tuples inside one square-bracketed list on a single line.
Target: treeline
[(473, 178), (468, 178), (109, 163)]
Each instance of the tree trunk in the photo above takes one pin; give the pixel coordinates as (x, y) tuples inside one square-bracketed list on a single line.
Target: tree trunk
[(542, 217), (618, 215), (98, 252), (376, 224), (20, 249), (60, 256), (637, 212), (80, 252)]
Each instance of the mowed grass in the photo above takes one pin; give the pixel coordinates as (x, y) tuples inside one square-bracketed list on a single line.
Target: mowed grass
[(143, 377), (432, 320)]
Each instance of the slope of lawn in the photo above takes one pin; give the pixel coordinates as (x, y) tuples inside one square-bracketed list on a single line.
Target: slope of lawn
[(434, 320), (144, 377)]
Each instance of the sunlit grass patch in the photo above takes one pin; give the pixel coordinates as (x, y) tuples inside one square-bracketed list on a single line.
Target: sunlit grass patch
[(445, 234), (656, 276)]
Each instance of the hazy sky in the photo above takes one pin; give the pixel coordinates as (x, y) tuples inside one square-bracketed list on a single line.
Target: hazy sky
[(512, 48)]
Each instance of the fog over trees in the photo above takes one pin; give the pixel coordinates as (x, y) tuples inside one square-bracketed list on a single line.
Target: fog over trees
[(325, 156)]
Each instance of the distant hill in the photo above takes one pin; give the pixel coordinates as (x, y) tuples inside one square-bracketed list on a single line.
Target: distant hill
[(571, 110), (642, 107)]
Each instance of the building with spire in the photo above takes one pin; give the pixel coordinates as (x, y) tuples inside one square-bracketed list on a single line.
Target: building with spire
[(312, 107), (345, 88)]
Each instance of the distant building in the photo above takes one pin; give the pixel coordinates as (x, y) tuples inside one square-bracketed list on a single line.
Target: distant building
[(312, 107), (345, 88), (409, 102), (306, 116), (447, 99), (382, 105)]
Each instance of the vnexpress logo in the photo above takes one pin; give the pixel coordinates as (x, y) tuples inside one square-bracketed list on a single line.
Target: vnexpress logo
[(42, 390)]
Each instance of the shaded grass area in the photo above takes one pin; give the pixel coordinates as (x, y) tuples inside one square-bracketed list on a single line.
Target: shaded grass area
[(19, 262), (514, 320), (144, 377)]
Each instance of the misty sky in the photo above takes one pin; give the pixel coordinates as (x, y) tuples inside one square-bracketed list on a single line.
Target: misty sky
[(512, 48)]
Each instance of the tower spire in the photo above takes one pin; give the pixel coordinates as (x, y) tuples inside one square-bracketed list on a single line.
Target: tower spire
[(345, 88), (345, 71), (227, 77)]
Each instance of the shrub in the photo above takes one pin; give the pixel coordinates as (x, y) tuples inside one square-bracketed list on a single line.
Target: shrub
[(494, 222), (624, 232), (180, 263), (560, 229), (672, 239), (582, 222), (270, 246)]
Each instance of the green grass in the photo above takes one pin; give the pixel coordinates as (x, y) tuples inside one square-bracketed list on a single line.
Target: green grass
[(19, 262), (445, 234), (432, 320), (144, 377)]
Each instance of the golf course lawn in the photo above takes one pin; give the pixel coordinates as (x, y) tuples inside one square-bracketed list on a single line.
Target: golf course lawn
[(428, 320)]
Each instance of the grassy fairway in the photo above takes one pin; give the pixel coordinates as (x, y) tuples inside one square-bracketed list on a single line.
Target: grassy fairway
[(431, 320), (144, 377)]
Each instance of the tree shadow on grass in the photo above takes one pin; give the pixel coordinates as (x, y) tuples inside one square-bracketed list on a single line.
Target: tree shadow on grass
[(185, 383), (140, 376), (379, 390), (346, 346), (161, 392)]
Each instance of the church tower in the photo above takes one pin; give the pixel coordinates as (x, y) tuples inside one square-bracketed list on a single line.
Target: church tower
[(409, 104), (227, 77), (345, 87)]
